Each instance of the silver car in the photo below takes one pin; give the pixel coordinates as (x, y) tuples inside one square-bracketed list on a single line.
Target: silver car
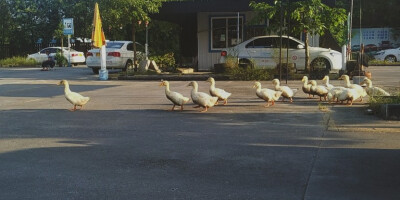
[(119, 56)]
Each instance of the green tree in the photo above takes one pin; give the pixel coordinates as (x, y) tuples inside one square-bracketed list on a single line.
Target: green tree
[(308, 16), (122, 13), (5, 21)]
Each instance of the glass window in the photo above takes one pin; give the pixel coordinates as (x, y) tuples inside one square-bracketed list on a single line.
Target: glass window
[(115, 45), (53, 50), (268, 42), (218, 33), (130, 47), (368, 35), (383, 34), (43, 51), (224, 32), (292, 44)]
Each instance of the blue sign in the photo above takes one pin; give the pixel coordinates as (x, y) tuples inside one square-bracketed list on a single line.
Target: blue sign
[(68, 26)]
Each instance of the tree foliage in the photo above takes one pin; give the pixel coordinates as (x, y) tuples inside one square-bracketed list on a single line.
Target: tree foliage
[(121, 13), (24, 21)]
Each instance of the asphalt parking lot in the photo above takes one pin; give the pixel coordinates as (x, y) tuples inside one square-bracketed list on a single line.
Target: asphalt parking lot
[(126, 145)]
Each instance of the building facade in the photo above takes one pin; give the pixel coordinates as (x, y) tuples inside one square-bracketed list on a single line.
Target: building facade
[(208, 26)]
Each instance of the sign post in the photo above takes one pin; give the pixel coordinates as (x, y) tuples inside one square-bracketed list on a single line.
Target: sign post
[(68, 30)]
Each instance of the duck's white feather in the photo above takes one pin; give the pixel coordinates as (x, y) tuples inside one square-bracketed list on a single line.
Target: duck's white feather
[(175, 97), (74, 98), (374, 91), (267, 94), (334, 92), (325, 80), (349, 94), (357, 87), (218, 92), (287, 92), (306, 87), (319, 90), (200, 98)]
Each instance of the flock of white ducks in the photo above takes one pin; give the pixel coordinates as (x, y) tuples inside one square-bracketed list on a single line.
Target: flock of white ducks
[(349, 93)]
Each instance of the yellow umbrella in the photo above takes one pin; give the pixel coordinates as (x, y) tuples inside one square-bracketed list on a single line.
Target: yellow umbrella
[(98, 37)]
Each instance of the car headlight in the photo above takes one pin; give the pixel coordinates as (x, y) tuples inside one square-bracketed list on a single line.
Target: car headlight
[(333, 54)]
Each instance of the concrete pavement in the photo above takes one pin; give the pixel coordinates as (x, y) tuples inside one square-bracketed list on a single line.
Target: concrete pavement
[(126, 145)]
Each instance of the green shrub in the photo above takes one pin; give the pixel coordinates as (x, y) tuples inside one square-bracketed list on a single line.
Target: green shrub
[(165, 62), (231, 62), (249, 74), (60, 59), (382, 62), (17, 62), (375, 102)]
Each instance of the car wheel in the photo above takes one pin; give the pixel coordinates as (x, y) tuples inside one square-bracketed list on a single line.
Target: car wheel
[(128, 66), (320, 67), (390, 59), (95, 70), (245, 63)]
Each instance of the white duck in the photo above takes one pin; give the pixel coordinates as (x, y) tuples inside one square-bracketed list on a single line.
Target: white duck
[(325, 80), (373, 91), (217, 92), (319, 90), (358, 88), (176, 98), (200, 98), (306, 87), (286, 91), (73, 97), (333, 93), (348, 94), (267, 94)]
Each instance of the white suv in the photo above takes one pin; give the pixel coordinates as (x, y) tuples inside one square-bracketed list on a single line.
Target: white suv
[(119, 56), (263, 52)]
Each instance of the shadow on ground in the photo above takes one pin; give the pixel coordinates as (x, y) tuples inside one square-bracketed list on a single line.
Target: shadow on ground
[(156, 154)]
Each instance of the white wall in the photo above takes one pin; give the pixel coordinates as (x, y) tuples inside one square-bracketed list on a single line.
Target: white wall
[(207, 59), (372, 36)]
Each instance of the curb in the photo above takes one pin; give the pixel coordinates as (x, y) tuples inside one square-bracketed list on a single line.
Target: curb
[(330, 125), (179, 77)]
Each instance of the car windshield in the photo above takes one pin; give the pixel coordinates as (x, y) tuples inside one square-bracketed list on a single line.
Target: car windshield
[(114, 45)]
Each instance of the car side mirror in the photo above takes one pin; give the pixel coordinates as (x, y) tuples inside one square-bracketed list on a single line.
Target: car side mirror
[(300, 46)]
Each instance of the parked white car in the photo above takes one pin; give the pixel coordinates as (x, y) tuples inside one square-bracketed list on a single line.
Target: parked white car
[(77, 57), (389, 55), (119, 56), (263, 52)]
